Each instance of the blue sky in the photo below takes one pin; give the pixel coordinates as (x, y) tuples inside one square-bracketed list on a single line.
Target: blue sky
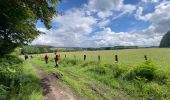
[(100, 23)]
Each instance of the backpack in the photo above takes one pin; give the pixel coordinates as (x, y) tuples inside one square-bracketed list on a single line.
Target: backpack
[(46, 57), (57, 56)]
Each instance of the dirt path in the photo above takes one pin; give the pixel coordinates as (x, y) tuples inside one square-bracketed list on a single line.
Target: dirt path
[(51, 88)]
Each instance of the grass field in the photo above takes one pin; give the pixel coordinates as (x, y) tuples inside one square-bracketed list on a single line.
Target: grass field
[(159, 56), (132, 78)]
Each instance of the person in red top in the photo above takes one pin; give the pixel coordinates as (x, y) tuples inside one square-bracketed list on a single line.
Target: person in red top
[(46, 58), (57, 58)]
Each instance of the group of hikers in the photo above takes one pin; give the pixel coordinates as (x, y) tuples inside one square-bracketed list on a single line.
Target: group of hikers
[(26, 56), (46, 58), (56, 58)]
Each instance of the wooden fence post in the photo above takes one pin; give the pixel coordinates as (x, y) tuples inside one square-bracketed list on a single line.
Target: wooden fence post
[(84, 57), (116, 58), (65, 56), (98, 58), (145, 56)]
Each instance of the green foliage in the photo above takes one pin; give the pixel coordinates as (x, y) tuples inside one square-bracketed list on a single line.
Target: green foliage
[(118, 71), (162, 75), (10, 71), (35, 49), (30, 88), (98, 69), (18, 18), (143, 71), (18, 80), (155, 91), (3, 92), (165, 42)]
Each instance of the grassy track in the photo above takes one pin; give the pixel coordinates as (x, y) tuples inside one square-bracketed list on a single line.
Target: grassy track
[(92, 80), (31, 83)]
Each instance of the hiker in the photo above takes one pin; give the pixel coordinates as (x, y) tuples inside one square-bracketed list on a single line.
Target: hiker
[(46, 59), (26, 56), (57, 58)]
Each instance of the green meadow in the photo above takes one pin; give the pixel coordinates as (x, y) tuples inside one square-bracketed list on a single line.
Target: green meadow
[(132, 78), (159, 56)]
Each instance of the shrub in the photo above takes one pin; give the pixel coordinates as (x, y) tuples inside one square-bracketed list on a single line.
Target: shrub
[(118, 70), (162, 76), (98, 69), (3, 92), (143, 71), (10, 70), (154, 91)]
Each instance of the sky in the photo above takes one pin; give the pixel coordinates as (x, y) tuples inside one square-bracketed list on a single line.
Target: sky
[(105, 23)]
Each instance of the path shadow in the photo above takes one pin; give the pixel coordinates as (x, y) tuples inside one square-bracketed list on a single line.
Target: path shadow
[(46, 86)]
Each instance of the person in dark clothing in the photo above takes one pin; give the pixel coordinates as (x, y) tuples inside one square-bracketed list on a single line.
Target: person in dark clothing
[(57, 58), (46, 59), (26, 56)]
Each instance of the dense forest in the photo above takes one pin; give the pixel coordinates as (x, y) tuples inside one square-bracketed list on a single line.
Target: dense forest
[(165, 42)]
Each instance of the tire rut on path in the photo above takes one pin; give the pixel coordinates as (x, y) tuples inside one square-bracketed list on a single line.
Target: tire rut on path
[(51, 89)]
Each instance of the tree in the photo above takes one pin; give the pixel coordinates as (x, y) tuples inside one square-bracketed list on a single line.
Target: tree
[(18, 21), (165, 42)]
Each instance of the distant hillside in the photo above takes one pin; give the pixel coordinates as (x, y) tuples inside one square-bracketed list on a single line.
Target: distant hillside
[(44, 46)]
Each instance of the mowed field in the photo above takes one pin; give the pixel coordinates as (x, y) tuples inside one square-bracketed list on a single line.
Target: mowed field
[(160, 56)]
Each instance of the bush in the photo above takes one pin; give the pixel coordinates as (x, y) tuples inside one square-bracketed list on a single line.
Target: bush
[(143, 71), (3, 92), (155, 91), (118, 70), (10, 71), (98, 69), (162, 76)]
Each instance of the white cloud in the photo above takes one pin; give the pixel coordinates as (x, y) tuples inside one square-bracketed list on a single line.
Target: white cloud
[(104, 23), (150, 1), (106, 8), (73, 27), (76, 21), (139, 14), (104, 5), (128, 8), (160, 18), (109, 38), (104, 14), (77, 27)]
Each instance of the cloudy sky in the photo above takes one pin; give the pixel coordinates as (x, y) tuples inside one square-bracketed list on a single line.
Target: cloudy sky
[(101, 23)]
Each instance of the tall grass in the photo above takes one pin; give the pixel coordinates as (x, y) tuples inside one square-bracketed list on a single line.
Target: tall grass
[(18, 80), (10, 70), (30, 84)]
